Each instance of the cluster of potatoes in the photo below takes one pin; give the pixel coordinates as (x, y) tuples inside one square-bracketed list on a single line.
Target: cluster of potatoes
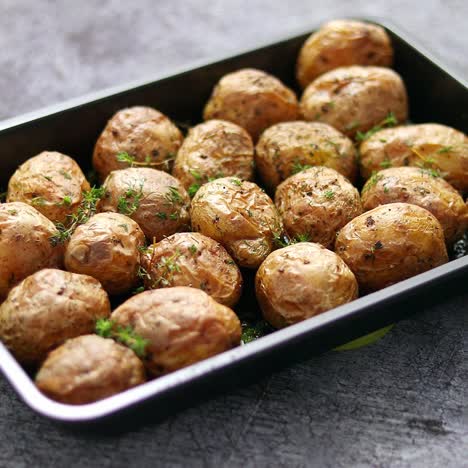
[(184, 216)]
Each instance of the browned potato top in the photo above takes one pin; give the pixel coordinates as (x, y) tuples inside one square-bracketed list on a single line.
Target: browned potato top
[(287, 148), (182, 325), (253, 99), (341, 43), (51, 182), (146, 135), (192, 259), (87, 369)]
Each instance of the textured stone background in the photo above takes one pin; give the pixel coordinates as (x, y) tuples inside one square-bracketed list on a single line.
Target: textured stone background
[(400, 402)]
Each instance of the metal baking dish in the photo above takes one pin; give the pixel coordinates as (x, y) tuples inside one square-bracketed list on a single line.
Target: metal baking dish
[(72, 128)]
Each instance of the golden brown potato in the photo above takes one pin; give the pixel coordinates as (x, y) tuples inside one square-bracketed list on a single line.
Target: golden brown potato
[(87, 369), (391, 243), (211, 150), (253, 99), (316, 203), (25, 244), (51, 182), (355, 98), (432, 146), (342, 43), (46, 309), (300, 281), (182, 326), (194, 260), (287, 148), (419, 187), (154, 199), (240, 216), (139, 134), (107, 247)]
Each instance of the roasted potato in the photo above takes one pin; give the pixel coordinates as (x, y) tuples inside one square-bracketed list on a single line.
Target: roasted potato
[(316, 203), (87, 369), (300, 281), (240, 216), (137, 135), (287, 148), (181, 325), (253, 99), (51, 182), (192, 259), (154, 199), (107, 247), (26, 244), (355, 99), (211, 150), (391, 243), (342, 43), (432, 146)]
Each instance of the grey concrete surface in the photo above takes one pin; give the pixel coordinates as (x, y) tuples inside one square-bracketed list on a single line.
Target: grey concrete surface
[(400, 402)]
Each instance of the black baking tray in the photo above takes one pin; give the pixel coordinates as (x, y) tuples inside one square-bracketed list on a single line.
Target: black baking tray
[(436, 95)]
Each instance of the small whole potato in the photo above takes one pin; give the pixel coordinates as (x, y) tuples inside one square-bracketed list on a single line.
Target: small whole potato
[(355, 99), (107, 247), (51, 182), (154, 199), (391, 243), (419, 187), (300, 281), (194, 260), (316, 203), (342, 43), (433, 146), (181, 325), (253, 99), (240, 216), (87, 369), (46, 309), (137, 135), (25, 244), (214, 149), (287, 148)]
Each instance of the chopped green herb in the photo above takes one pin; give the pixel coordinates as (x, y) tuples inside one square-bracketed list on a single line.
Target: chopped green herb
[(389, 121), (386, 163), (161, 215), (298, 167), (329, 194), (237, 182), (124, 227), (196, 175), (193, 189), (128, 203), (38, 201), (251, 332), (173, 195), (65, 174), (174, 216), (66, 201), (193, 249), (445, 149), (301, 238)]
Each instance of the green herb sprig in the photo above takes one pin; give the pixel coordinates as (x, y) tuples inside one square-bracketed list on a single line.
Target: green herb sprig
[(389, 121)]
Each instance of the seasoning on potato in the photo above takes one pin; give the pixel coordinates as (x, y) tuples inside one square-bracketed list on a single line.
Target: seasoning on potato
[(253, 99), (300, 281), (391, 243), (287, 148), (154, 199), (139, 136), (240, 216), (181, 326), (316, 203)]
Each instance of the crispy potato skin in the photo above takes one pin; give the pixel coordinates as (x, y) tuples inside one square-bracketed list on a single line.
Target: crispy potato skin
[(51, 182), (87, 369), (144, 133), (154, 199), (194, 260), (25, 245), (46, 309), (182, 325), (355, 98), (253, 99), (341, 43), (415, 186), (240, 216), (430, 145), (317, 202), (107, 247), (286, 147), (213, 149), (391, 243), (300, 281)]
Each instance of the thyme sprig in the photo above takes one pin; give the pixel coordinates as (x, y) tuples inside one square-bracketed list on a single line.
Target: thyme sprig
[(125, 157), (389, 121)]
